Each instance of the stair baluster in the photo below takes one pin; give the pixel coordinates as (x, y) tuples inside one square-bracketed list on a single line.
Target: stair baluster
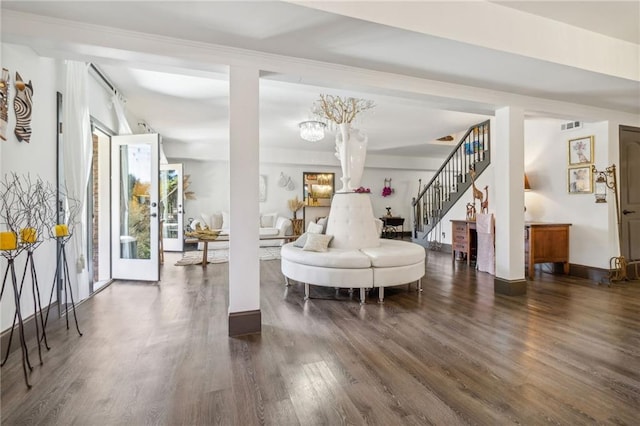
[(451, 180)]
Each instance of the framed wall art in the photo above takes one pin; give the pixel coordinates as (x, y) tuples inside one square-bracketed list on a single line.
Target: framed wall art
[(581, 151), (580, 180)]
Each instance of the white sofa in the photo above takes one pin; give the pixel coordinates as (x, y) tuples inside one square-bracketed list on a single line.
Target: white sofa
[(272, 225), (356, 257)]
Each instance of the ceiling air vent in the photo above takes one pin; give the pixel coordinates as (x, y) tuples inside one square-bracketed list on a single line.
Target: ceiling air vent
[(571, 125)]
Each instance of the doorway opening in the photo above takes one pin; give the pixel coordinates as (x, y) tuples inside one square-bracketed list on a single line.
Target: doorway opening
[(98, 211)]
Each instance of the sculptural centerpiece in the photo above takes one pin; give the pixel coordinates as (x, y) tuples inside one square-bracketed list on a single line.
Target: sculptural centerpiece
[(351, 143)]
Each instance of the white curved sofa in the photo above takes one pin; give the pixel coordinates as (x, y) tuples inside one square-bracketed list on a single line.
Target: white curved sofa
[(356, 256)]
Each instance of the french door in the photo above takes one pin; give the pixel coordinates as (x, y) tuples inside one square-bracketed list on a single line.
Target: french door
[(171, 207), (134, 201)]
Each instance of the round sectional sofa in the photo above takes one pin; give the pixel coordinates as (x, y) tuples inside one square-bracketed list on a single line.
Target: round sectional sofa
[(356, 256)]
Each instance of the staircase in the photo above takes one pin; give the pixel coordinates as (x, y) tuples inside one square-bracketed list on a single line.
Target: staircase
[(450, 181)]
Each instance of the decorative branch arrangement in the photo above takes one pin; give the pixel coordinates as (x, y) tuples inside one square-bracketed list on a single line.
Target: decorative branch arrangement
[(294, 205), (28, 215), (340, 110), (188, 195), (24, 207)]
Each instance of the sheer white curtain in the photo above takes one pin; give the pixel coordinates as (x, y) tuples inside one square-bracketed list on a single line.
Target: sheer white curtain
[(123, 124), (123, 129), (77, 152)]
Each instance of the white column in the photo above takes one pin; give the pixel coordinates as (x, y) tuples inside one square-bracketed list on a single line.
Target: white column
[(244, 263), (508, 160)]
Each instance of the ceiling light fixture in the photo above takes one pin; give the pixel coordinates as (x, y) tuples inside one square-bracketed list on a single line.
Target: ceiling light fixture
[(312, 130)]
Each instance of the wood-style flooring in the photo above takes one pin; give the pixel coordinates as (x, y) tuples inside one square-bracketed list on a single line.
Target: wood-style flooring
[(158, 354)]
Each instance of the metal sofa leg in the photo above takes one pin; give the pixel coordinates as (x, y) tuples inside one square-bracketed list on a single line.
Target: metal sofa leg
[(306, 291), (420, 285), (380, 294), (362, 296), (286, 281)]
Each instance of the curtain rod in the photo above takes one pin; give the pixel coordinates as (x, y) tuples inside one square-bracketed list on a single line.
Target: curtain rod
[(104, 79)]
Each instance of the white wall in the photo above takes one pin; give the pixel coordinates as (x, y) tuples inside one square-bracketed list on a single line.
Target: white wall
[(210, 182), (37, 158), (546, 164), (593, 232)]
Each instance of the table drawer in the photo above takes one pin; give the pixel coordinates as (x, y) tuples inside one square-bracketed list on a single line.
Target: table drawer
[(461, 228), (460, 246)]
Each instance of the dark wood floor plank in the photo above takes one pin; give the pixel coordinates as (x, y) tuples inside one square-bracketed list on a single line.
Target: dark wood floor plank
[(568, 352)]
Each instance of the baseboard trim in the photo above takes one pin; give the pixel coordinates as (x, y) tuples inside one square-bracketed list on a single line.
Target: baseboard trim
[(509, 287), (598, 275), (243, 323)]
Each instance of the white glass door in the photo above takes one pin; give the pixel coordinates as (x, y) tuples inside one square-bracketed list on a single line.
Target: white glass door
[(171, 207), (134, 199)]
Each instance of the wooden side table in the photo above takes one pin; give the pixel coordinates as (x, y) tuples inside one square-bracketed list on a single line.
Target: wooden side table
[(546, 243), (298, 226)]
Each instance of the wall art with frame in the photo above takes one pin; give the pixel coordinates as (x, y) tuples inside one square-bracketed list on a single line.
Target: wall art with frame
[(581, 151), (580, 180)]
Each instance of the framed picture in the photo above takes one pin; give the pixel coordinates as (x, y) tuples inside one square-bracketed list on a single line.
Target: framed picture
[(580, 180), (581, 151)]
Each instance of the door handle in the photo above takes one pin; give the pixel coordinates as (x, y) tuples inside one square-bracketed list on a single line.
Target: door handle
[(625, 211), (154, 214)]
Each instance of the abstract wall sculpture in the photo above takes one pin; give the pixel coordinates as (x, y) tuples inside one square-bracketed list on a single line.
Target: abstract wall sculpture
[(22, 106), (4, 103)]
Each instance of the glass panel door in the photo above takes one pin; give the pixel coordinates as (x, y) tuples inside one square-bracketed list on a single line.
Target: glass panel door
[(135, 236), (171, 207)]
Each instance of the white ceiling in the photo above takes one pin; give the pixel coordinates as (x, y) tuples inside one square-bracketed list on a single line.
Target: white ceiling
[(618, 19), (190, 107)]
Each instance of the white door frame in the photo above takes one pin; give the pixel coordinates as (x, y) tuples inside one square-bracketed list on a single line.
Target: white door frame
[(124, 264)]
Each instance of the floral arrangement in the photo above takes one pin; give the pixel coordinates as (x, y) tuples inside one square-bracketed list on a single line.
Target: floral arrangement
[(362, 190), (387, 190), (294, 205)]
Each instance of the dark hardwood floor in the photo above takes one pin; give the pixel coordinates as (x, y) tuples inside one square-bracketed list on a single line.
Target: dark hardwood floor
[(566, 353)]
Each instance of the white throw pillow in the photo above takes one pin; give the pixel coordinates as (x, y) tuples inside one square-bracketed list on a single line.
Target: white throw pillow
[(268, 220), (216, 221), (317, 242), (314, 228), (323, 222), (301, 241)]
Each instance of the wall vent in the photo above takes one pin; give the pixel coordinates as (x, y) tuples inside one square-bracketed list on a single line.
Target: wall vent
[(571, 125)]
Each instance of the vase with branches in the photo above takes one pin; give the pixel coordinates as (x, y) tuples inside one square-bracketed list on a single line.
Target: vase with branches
[(351, 144), (294, 205)]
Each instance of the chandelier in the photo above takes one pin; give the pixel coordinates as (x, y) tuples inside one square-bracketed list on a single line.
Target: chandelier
[(312, 130)]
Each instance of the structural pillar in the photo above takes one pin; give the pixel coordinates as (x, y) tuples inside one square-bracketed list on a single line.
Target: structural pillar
[(508, 160), (244, 208)]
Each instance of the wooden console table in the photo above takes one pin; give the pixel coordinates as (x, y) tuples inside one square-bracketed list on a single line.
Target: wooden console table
[(546, 243), (464, 241)]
